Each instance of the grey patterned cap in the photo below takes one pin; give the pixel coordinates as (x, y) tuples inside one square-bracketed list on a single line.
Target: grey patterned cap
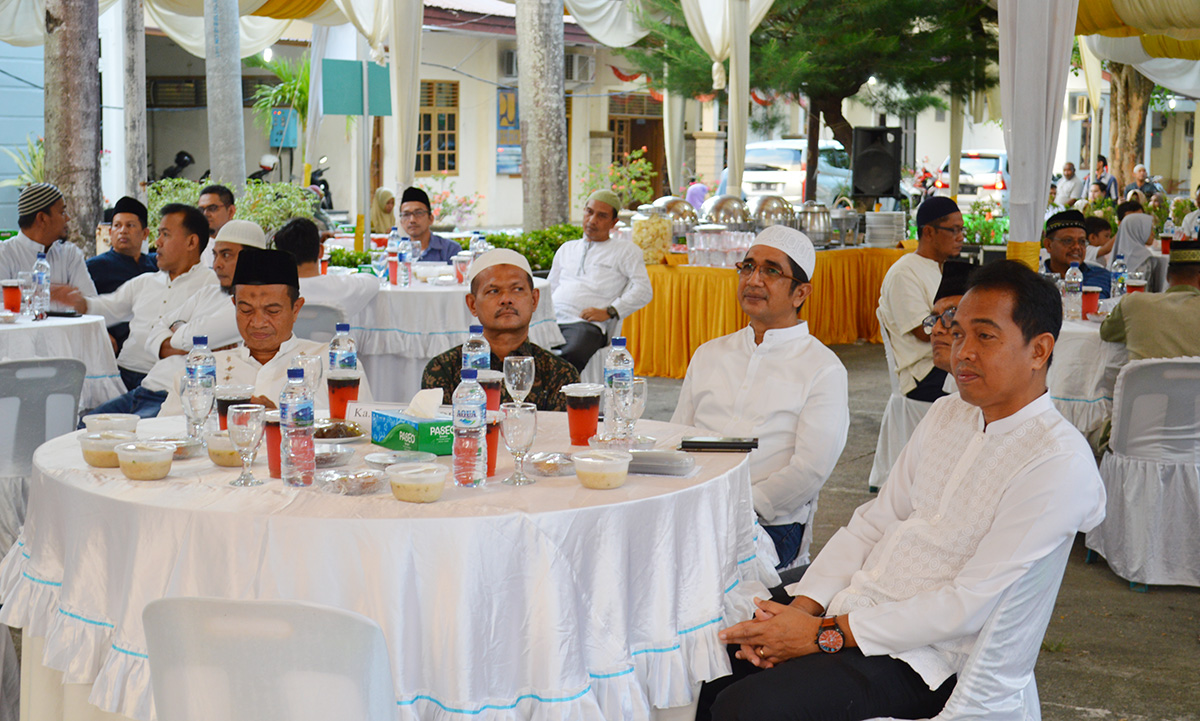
[(36, 198)]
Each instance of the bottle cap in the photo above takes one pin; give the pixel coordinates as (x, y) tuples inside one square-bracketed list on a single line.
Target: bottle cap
[(199, 340), (393, 227), (41, 255), (476, 329), (342, 327), (618, 342), (295, 373), (469, 374), (1074, 264)]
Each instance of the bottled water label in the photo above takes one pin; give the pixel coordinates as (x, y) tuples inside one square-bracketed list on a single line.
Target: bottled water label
[(201, 371), (296, 414), (611, 374), (479, 361), (39, 277), (470, 415), (343, 360)]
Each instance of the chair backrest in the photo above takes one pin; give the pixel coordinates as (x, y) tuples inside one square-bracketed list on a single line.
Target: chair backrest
[(888, 353), (39, 400), (1156, 410), (318, 322), (264, 661)]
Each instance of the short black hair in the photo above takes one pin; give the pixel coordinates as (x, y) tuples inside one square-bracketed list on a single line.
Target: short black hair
[(193, 220), (225, 194), (1100, 185), (1101, 160), (1094, 226), (26, 221), (1129, 206), (301, 238), (1037, 304), (798, 273)]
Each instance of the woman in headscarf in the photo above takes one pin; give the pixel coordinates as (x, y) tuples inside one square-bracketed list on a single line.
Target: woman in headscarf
[(382, 217), (696, 193), (1133, 236)]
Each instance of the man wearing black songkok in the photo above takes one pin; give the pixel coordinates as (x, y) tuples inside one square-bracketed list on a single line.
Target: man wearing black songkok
[(124, 260), (416, 218), (1066, 241)]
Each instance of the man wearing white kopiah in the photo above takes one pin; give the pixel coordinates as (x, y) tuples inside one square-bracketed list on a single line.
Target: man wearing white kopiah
[(773, 380), (595, 279)]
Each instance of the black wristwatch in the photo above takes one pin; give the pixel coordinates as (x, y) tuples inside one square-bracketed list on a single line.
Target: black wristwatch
[(829, 637), (612, 312)]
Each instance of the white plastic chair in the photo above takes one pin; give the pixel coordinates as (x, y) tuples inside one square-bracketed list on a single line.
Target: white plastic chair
[(1151, 532), (593, 372), (39, 400), (318, 322), (900, 418), (996, 683), (265, 661)]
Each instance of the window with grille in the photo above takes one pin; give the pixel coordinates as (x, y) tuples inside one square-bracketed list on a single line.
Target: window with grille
[(437, 128)]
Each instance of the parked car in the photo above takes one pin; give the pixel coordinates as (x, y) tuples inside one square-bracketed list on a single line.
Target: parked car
[(777, 167), (982, 175)]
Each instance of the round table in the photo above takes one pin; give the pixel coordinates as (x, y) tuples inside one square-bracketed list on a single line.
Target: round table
[(84, 338), (1083, 374), (546, 601), (402, 329)]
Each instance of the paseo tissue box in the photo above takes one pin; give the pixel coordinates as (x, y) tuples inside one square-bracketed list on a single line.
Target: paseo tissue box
[(402, 432)]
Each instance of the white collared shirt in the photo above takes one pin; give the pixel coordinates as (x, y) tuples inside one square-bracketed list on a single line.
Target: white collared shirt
[(148, 301), (905, 299), (790, 392), (597, 274), (66, 262), (965, 511), (348, 293)]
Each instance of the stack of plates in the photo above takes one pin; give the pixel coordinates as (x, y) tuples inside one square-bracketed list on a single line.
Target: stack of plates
[(885, 228)]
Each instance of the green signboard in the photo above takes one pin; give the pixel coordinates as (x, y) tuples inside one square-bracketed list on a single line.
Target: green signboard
[(341, 84)]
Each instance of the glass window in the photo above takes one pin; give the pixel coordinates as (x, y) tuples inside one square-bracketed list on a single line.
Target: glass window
[(437, 135)]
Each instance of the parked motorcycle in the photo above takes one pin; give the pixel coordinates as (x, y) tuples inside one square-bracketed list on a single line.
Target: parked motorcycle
[(317, 178), (182, 160)]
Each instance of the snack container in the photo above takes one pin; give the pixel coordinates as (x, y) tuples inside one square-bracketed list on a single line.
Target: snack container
[(111, 422), (221, 450), (100, 449), (145, 460), (602, 469), (418, 482)]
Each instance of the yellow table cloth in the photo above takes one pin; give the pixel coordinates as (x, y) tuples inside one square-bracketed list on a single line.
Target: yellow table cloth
[(694, 305)]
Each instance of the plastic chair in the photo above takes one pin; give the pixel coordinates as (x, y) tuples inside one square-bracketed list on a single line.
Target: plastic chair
[(900, 418), (593, 372), (265, 661), (1151, 531), (996, 683), (318, 322), (39, 400)]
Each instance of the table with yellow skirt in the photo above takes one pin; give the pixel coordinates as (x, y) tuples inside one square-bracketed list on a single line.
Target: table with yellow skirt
[(694, 305)]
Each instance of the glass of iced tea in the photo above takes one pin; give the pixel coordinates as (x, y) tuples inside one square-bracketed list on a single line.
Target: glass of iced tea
[(492, 382), (12, 295), (583, 410), (343, 389), (231, 395)]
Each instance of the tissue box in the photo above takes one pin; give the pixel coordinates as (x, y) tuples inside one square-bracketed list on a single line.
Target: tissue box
[(402, 432)]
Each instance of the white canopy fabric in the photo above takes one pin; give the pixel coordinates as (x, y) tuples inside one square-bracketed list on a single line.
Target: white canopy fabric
[(406, 19), (612, 22), (23, 22), (1035, 51), (1178, 75), (257, 34)]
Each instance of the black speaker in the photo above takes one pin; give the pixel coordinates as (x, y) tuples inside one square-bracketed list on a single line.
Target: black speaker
[(876, 162)]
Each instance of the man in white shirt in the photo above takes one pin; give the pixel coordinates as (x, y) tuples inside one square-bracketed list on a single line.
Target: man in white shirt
[(1191, 221), (992, 481), (774, 381), (906, 296), (42, 218), (595, 279), (348, 293), (1070, 187), (266, 294)]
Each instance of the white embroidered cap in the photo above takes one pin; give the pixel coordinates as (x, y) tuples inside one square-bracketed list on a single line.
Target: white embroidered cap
[(497, 256), (793, 243), (244, 232)]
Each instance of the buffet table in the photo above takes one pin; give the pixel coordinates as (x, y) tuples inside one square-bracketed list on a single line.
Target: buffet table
[(548, 601), (693, 305), (402, 329), (1083, 374), (84, 338)]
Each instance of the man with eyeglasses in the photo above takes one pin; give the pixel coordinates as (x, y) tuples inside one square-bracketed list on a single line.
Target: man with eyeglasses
[(945, 303), (416, 217), (907, 293), (773, 380), (1066, 241), (216, 202)]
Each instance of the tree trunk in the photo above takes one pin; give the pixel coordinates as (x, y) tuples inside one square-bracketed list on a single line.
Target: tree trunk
[(1128, 106), (831, 110), (135, 100), (223, 79), (811, 155), (541, 98), (72, 116)]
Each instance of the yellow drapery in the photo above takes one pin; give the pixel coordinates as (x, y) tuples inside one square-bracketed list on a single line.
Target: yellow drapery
[(1099, 17), (288, 9), (694, 305)]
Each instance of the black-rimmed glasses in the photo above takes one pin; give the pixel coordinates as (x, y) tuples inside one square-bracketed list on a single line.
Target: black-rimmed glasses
[(931, 320)]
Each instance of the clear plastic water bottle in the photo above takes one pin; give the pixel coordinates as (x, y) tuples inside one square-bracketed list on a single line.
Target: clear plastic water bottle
[(40, 303), (343, 353), (476, 352), (1169, 228), (470, 431), (1120, 274), (405, 261), (617, 364), (297, 454), (200, 362), (1073, 298)]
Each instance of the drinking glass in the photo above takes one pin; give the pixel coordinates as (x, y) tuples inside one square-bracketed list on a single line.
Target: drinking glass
[(629, 401), (519, 426), (197, 396), (379, 263), (312, 366), (245, 431), (25, 279), (518, 376)]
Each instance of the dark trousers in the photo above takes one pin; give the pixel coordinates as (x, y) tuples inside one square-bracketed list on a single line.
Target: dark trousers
[(131, 379), (787, 539), (138, 401), (583, 339), (929, 388)]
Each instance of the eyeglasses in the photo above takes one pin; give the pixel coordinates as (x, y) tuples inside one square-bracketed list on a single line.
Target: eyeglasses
[(746, 268), (413, 214), (931, 320), (206, 209), (954, 230), (1078, 242)]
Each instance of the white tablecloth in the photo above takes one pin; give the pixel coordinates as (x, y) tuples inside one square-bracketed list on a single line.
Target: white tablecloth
[(84, 338), (402, 329), (1083, 374), (548, 601)]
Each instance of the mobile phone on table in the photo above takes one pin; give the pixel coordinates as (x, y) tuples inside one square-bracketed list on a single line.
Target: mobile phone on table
[(716, 443)]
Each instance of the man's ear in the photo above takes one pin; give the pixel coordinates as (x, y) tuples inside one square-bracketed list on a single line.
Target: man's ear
[(1042, 347)]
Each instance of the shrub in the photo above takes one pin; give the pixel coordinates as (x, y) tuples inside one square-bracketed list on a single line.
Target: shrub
[(538, 246)]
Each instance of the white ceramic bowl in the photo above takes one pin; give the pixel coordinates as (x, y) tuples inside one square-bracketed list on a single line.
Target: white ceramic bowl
[(100, 449), (145, 460), (111, 422), (602, 469), (418, 482)]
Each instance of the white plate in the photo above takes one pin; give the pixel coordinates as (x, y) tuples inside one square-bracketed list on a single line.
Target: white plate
[(354, 439)]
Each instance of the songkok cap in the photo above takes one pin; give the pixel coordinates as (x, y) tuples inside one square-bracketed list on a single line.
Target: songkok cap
[(266, 267), (607, 197), (498, 256), (935, 208), (1065, 219), (793, 243), (36, 198), (1185, 251), (243, 232), (415, 195), (131, 205), (954, 279)]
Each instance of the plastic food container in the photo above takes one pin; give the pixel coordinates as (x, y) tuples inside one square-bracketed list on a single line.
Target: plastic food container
[(184, 447), (111, 422), (100, 449), (145, 460), (662, 463), (221, 450), (417, 482), (602, 470), (380, 461), (350, 483)]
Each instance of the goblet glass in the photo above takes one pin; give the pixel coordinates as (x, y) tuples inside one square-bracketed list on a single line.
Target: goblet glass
[(518, 376), (631, 405), (518, 426), (245, 432), (25, 280), (379, 264), (197, 396), (312, 366)]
